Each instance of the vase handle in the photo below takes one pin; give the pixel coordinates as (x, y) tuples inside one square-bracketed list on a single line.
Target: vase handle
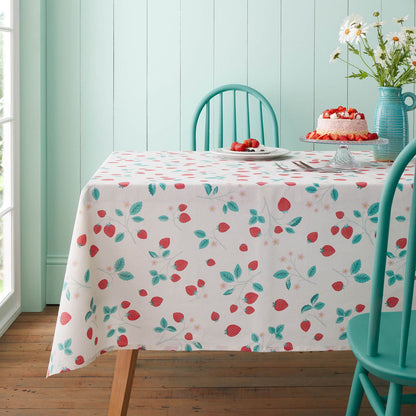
[(413, 97)]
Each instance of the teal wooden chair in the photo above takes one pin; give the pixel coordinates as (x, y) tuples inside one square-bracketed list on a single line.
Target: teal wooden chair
[(384, 343), (247, 116)]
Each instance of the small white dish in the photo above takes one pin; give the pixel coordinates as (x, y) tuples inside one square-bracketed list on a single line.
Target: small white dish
[(268, 153)]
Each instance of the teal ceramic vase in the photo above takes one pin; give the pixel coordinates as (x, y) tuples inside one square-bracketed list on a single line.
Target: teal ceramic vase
[(391, 122)]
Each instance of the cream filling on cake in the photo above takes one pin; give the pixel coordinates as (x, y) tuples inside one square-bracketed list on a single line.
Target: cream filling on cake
[(341, 126)]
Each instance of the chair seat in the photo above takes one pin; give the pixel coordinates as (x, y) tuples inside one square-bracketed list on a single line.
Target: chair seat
[(385, 364)]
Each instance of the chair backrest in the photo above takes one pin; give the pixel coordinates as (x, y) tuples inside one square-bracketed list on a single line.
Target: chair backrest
[(247, 115), (380, 255)]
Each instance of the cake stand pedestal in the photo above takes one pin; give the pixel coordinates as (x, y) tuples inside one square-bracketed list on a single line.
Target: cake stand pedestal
[(343, 158)]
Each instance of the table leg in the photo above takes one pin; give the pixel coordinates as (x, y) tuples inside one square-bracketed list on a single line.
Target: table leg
[(122, 382)]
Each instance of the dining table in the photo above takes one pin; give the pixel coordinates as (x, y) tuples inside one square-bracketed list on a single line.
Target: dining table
[(193, 251)]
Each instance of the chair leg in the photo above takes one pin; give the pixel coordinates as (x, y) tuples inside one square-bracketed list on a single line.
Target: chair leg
[(356, 393), (394, 399)]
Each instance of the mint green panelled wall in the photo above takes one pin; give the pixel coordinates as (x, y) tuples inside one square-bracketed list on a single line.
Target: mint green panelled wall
[(127, 75)]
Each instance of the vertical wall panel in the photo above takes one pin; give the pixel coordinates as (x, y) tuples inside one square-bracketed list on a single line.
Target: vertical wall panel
[(330, 78), (197, 49), (230, 53), (164, 74), (264, 51), (63, 133), (96, 84), (130, 74), (363, 94), (297, 63)]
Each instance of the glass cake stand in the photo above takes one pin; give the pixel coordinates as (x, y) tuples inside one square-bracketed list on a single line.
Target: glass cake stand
[(343, 157)]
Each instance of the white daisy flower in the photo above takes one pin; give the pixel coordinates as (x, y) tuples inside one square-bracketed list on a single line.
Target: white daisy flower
[(377, 24), (345, 32), (380, 57), (412, 49), (359, 31), (400, 20), (412, 61), (409, 32), (335, 55), (397, 39)]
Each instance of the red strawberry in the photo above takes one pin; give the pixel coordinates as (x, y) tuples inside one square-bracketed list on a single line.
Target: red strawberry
[(96, 341), (337, 286), (164, 242), (102, 284), (142, 292), (327, 250), (184, 217), (288, 346), (305, 325), (200, 283), (253, 265), (79, 360), (97, 228), (82, 240), (182, 207), (339, 214), (280, 304), (178, 317), (312, 237), (122, 341), (188, 336), (179, 185), (249, 310), (156, 301), (359, 308), (101, 213), (180, 265), (65, 318), (215, 316), (361, 185), (210, 262), (93, 250), (290, 183), (347, 231), (175, 278), (250, 297), (278, 229), (232, 330), (142, 234), (223, 227), (191, 290), (318, 337), (123, 184), (401, 243), (125, 304), (245, 348), (132, 315), (334, 229), (243, 247), (255, 231), (89, 333), (283, 205), (109, 230), (392, 301), (233, 308)]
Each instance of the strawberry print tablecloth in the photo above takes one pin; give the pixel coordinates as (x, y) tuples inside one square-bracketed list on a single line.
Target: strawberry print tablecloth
[(188, 251)]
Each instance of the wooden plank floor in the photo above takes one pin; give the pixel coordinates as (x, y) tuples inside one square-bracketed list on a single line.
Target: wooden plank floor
[(171, 384)]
